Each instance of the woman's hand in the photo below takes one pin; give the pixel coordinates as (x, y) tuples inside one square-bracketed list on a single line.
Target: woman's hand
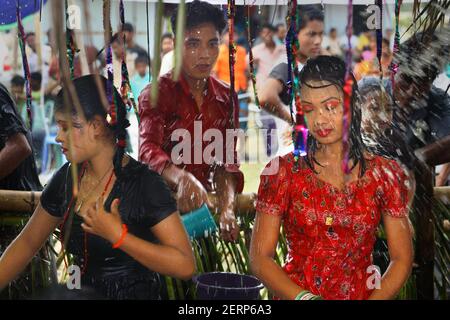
[(107, 225), (191, 194)]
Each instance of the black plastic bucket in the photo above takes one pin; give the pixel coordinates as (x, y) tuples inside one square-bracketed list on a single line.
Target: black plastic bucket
[(227, 286)]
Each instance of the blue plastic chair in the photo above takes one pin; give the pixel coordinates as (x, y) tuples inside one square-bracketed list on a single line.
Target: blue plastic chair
[(50, 140)]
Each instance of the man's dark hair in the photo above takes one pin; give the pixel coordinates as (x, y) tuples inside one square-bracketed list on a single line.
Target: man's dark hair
[(306, 14), (167, 35), (128, 27), (17, 81), (332, 30), (199, 12)]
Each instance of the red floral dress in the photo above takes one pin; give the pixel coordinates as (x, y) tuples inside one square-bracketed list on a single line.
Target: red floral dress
[(331, 232)]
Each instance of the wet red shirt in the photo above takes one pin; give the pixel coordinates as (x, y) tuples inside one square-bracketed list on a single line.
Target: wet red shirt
[(331, 232), (177, 131)]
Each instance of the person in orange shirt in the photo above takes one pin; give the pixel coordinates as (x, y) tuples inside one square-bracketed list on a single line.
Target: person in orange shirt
[(222, 69)]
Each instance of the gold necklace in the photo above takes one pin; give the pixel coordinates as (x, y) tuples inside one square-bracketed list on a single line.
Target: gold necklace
[(95, 188)]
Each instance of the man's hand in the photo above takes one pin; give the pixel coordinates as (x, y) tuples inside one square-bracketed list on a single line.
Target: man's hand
[(229, 228), (107, 225), (191, 194), (443, 175)]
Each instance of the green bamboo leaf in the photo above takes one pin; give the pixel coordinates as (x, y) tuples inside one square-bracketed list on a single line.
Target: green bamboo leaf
[(208, 266), (224, 255), (169, 288), (245, 252), (179, 38), (156, 64)]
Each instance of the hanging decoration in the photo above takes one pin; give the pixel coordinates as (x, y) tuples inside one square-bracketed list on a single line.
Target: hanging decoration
[(26, 67), (300, 132), (379, 34), (70, 44), (394, 65), (250, 55), (111, 118), (231, 11), (125, 87), (348, 91)]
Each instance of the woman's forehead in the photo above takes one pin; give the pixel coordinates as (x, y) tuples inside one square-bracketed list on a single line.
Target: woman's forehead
[(320, 89), (66, 117)]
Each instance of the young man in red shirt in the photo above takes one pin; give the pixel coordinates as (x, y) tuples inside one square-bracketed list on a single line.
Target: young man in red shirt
[(191, 116)]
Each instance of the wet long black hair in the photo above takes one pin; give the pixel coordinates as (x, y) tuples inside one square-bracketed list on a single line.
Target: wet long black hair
[(90, 98), (333, 70)]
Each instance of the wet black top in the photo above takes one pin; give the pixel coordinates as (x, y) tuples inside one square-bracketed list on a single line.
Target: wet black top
[(145, 200), (25, 176)]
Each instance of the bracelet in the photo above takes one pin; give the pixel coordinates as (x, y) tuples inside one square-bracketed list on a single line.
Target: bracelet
[(122, 237), (307, 295)]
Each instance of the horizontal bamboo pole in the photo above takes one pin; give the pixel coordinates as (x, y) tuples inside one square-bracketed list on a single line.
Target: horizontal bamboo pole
[(26, 202), (18, 201), (442, 193)]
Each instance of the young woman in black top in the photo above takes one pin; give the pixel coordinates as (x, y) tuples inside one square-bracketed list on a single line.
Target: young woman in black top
[(122, 228)]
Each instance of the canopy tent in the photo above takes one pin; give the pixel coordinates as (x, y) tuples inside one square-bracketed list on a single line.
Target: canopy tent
[(28, 8)]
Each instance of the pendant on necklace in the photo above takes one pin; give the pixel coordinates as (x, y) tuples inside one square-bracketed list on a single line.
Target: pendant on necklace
[(329, 220)]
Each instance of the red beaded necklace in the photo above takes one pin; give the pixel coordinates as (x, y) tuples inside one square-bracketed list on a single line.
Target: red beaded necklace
[(66, 215)]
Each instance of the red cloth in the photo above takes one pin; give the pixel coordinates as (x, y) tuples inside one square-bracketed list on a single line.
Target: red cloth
[(331, 260), (177, 109)]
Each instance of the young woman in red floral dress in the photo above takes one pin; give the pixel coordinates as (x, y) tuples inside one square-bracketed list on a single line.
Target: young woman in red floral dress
[(330, 218)]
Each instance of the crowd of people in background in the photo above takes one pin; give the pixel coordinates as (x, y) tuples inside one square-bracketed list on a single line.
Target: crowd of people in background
[(268, 50)]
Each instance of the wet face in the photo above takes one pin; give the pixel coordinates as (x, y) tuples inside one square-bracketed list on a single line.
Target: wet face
[(200, 51), (377, 111), (87, 136), (166, 45), (310, 39), (323, 108)]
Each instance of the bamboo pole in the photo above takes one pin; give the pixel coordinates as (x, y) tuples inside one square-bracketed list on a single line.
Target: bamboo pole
[(18, 201), (26, 201)]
